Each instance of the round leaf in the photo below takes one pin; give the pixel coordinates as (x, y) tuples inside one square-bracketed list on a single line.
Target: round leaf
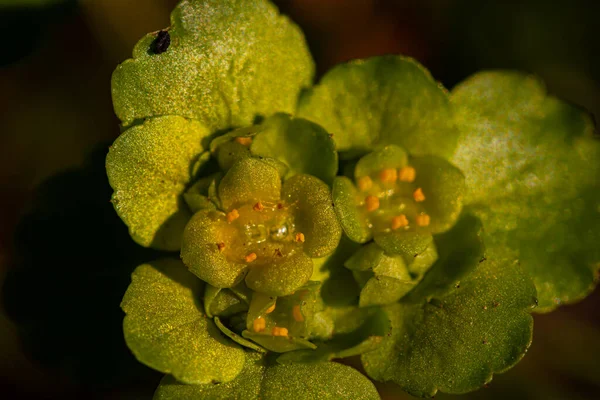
[(166, 329), (303, 146), (227, 62), (381, 101), (456, 342), (532, 165), (149, 167), (282, 277)]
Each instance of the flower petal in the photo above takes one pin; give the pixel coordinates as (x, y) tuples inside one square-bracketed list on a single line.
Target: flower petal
[(249, 180), (353, 222), (282, 277), (313, 214), (200, 251)]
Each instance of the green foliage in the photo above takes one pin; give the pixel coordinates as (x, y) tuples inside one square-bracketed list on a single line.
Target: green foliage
[(263, 380), (423, 257), (531, 164), (228, 62), (166, 328), (381, 101), (149, 167)]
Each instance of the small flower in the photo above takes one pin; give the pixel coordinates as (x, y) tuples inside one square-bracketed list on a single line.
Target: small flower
[(398, 200), (264, 231)]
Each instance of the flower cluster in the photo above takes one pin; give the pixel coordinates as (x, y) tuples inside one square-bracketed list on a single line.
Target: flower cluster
[(346, 218)]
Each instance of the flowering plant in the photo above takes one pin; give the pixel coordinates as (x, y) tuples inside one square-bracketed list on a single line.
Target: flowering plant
[(348, 218)]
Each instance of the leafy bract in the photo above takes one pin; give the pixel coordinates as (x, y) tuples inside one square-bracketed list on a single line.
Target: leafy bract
[(260, 380), (456, 342), (149, 167), (380, 101), (228, 61), (532, 167), (166, 328), (303, 146)]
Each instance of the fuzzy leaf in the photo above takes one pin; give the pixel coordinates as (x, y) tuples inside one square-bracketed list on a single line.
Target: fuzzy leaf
[(149, 167), (295, 381), (304, 147), (381, 101), (228, 61), (456, 342), (166, 329), (532, 167)]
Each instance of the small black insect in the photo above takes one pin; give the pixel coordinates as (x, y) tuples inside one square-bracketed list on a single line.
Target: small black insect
[(161, 43)]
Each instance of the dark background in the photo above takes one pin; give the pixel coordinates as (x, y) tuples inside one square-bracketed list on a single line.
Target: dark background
[(69, 266)]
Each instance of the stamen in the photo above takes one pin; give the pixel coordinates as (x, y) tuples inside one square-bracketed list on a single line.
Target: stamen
[(277, 331), (244, 141), (250, 257), (364, 183), (297, 314), (399, 221), (423, 220), (407, 174), (388, 175), (372, 203), (270, 309), (259, 324), (300, 237), (221, 246), (418, 195), (233, 215), (258, 207)]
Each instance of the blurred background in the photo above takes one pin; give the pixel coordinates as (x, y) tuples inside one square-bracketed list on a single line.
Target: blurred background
[(65, 258)]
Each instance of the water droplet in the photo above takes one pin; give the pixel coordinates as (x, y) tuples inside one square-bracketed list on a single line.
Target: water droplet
[(279, 232)]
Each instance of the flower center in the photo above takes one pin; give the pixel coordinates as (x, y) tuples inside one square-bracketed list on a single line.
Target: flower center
[(391, 200), (260, 233)]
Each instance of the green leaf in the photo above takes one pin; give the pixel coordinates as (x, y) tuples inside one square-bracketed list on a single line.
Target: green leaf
[(408, 244), (246, 387), (281, 277), (303, 146), (228, 61), (196, 197), (460, 250), (222, 302), (201, 254), (456, 342), (313, 214), (532, 164), (149, 167), (259, 380), (353, 222), (166, 329), (237, 338), (248, 181), (387, 157), (381, 101)]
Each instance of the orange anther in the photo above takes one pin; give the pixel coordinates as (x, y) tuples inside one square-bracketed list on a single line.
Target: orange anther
[(407, 174), (297, 314), (258, 207), (399, 221), (300, 237), (250, 257), (244, 141), (259, 324), (221, 246), (277, 331), (423, 220), (388, 175), (233, 215), (270, 309), (372, 203), (418, 195), (364, 183)]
